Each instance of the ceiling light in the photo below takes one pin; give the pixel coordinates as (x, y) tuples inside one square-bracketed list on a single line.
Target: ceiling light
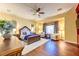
[(37, 13)]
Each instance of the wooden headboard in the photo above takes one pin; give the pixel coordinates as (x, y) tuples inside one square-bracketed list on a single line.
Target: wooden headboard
[(24, 31)]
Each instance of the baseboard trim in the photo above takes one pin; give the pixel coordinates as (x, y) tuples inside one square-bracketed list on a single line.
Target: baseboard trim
[(72, 43)]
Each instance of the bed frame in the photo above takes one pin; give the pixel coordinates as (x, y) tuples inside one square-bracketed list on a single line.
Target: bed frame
[(31, 39)]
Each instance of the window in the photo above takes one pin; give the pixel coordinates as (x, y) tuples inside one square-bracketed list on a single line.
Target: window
[(50, 29)]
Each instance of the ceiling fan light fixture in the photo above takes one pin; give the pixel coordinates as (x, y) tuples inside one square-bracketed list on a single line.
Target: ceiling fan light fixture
[(37, 13)]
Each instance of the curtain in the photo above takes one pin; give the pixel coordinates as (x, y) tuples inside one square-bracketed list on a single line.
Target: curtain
[(52, 23)]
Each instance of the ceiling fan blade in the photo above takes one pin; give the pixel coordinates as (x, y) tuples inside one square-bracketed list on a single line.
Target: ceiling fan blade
[(38, 10), (41, 13)]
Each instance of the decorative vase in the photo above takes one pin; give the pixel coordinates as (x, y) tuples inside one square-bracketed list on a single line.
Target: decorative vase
[(7, 36)]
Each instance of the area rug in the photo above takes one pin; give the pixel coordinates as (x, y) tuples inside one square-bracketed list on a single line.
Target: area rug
[(29, 48)]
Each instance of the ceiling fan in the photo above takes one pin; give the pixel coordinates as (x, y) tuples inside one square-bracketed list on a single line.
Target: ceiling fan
[(38, 12)]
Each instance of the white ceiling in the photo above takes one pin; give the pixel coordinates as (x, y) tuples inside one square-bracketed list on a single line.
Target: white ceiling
[(25, 9)]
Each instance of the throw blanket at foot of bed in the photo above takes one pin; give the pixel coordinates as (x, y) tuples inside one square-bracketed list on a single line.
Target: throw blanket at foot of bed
[(32, 38)]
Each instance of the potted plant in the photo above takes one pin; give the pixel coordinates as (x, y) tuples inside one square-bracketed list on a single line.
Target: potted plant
[(6, 28)]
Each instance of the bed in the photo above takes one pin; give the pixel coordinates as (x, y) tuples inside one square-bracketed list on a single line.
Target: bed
[(27, 36)]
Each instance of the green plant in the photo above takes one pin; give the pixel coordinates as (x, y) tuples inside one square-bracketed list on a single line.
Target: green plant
[(6, 26), (2, 23)]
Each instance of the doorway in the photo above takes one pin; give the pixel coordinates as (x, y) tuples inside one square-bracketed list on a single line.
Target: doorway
[(77, 24)]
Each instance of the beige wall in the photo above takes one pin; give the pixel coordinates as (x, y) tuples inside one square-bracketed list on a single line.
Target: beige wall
[(39, 27), (61, 25), (53, 18), (20, 21), (70, 26)]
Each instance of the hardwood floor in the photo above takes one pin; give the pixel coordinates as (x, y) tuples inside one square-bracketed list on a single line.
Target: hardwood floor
[(55, 48)]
